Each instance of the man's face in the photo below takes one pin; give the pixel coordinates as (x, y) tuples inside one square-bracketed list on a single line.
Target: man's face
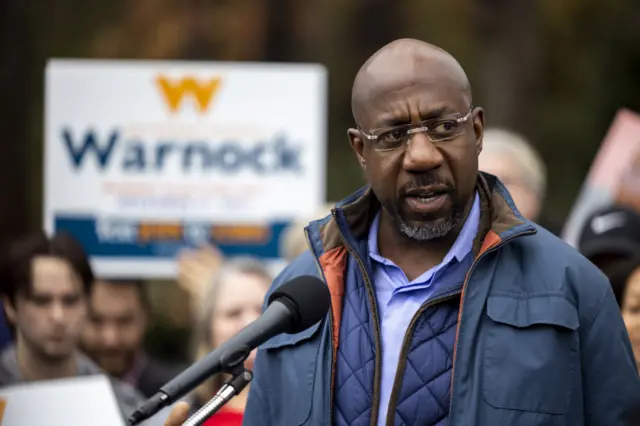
[(117, 321), (50, 318), (425, 186), (525, 199)]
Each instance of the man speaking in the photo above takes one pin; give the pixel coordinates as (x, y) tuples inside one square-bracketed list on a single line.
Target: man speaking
[(448, 307)]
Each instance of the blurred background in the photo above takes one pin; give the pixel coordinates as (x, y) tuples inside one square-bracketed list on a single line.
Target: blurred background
[(556, 72)]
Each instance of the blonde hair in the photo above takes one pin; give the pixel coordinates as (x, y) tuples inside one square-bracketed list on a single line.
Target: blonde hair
[(519, 150), (203, 342), (293, 241)]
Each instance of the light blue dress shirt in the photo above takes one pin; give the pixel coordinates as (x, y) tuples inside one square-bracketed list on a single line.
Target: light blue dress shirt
[(399, 299)]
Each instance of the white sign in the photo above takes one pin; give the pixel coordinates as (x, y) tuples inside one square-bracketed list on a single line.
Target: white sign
[(67, 402), (82, 400), (145, 158)]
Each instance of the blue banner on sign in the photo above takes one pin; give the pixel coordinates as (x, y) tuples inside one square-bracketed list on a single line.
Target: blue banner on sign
[(119, 238)]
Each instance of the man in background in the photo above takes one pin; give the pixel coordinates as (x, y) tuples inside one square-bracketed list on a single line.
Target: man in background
[(611, 235), (119, 313), (45, 285), (510, 157)]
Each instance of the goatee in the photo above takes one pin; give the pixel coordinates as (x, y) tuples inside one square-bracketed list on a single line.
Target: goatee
[(427, 231)]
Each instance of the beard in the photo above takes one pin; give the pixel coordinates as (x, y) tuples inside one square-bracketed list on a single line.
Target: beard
[(428, 228), (426, 231), (116, 363)]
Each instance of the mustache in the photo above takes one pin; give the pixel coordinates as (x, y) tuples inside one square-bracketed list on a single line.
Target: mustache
[(426, 181)]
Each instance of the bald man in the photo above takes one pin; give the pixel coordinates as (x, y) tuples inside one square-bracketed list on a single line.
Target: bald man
[(448, 307), (511, 158)]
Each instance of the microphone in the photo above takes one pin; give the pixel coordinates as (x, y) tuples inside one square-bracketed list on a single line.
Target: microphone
[(231, 388), (292, 308)]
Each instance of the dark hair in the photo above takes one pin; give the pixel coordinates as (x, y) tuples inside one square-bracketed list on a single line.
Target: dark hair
[(17, 263), (619, 274), (138, 286)]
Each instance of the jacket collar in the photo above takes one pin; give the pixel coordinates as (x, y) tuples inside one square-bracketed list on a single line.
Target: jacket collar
[(351, 218)]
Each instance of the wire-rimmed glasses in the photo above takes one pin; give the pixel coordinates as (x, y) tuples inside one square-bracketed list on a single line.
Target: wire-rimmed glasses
[(437, 130)]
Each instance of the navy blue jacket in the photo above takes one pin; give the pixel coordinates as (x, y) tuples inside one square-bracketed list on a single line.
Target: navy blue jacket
[(539, 337)]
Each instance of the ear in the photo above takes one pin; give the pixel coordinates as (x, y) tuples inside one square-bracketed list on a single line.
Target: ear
[(357, 144), (478, 127), (9, 310)]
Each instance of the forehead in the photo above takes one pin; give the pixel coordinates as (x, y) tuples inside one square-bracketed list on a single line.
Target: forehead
[(402, 95), (107, 296), (53, 275), (499, 164), (241, 288), (634, 282)]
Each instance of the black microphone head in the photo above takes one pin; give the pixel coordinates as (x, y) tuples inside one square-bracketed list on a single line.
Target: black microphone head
[(308, 299)]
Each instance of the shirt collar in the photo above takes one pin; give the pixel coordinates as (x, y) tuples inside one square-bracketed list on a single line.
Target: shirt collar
[(460, 248)]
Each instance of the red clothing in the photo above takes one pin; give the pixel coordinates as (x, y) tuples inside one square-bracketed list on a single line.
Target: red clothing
[(225, 417)]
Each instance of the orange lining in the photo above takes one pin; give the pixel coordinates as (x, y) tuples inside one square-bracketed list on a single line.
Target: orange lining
[(333, 264), (490, 240)]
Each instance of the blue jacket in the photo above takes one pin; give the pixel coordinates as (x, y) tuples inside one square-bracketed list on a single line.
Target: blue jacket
[(539, 339)]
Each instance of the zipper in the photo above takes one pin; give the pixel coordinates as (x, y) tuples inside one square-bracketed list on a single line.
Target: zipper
[(332, 376), (402, 359), (375, 406), (464, 287)]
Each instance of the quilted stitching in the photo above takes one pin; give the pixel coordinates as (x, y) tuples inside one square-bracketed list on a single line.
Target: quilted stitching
[(424, 397), (425, 394), (356, 359)]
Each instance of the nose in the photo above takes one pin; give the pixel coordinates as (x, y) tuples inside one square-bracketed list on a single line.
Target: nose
[(57, 313), (109, 335), (421, 154)]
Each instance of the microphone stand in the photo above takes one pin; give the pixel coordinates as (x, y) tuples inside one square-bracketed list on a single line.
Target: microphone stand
[(232, 387)]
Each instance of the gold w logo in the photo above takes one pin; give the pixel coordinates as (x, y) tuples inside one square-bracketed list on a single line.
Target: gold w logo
[(174, 91)]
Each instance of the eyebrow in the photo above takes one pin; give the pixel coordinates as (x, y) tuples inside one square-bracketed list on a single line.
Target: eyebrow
[(394, 120)]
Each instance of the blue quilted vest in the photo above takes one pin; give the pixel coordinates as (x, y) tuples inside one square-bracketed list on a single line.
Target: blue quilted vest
[(422, 397)]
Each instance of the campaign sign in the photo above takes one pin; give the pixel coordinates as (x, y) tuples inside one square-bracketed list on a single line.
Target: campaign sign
[(144, 158), (611, 177)]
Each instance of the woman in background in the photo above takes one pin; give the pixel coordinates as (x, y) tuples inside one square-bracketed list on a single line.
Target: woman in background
[(232, 301), (625, 281)]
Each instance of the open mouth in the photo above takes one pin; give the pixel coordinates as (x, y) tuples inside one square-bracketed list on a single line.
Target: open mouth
[(426, 193), (427, 200), (427, 197)]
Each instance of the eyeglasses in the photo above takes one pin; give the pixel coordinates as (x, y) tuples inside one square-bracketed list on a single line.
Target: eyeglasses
[(437, 129)]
